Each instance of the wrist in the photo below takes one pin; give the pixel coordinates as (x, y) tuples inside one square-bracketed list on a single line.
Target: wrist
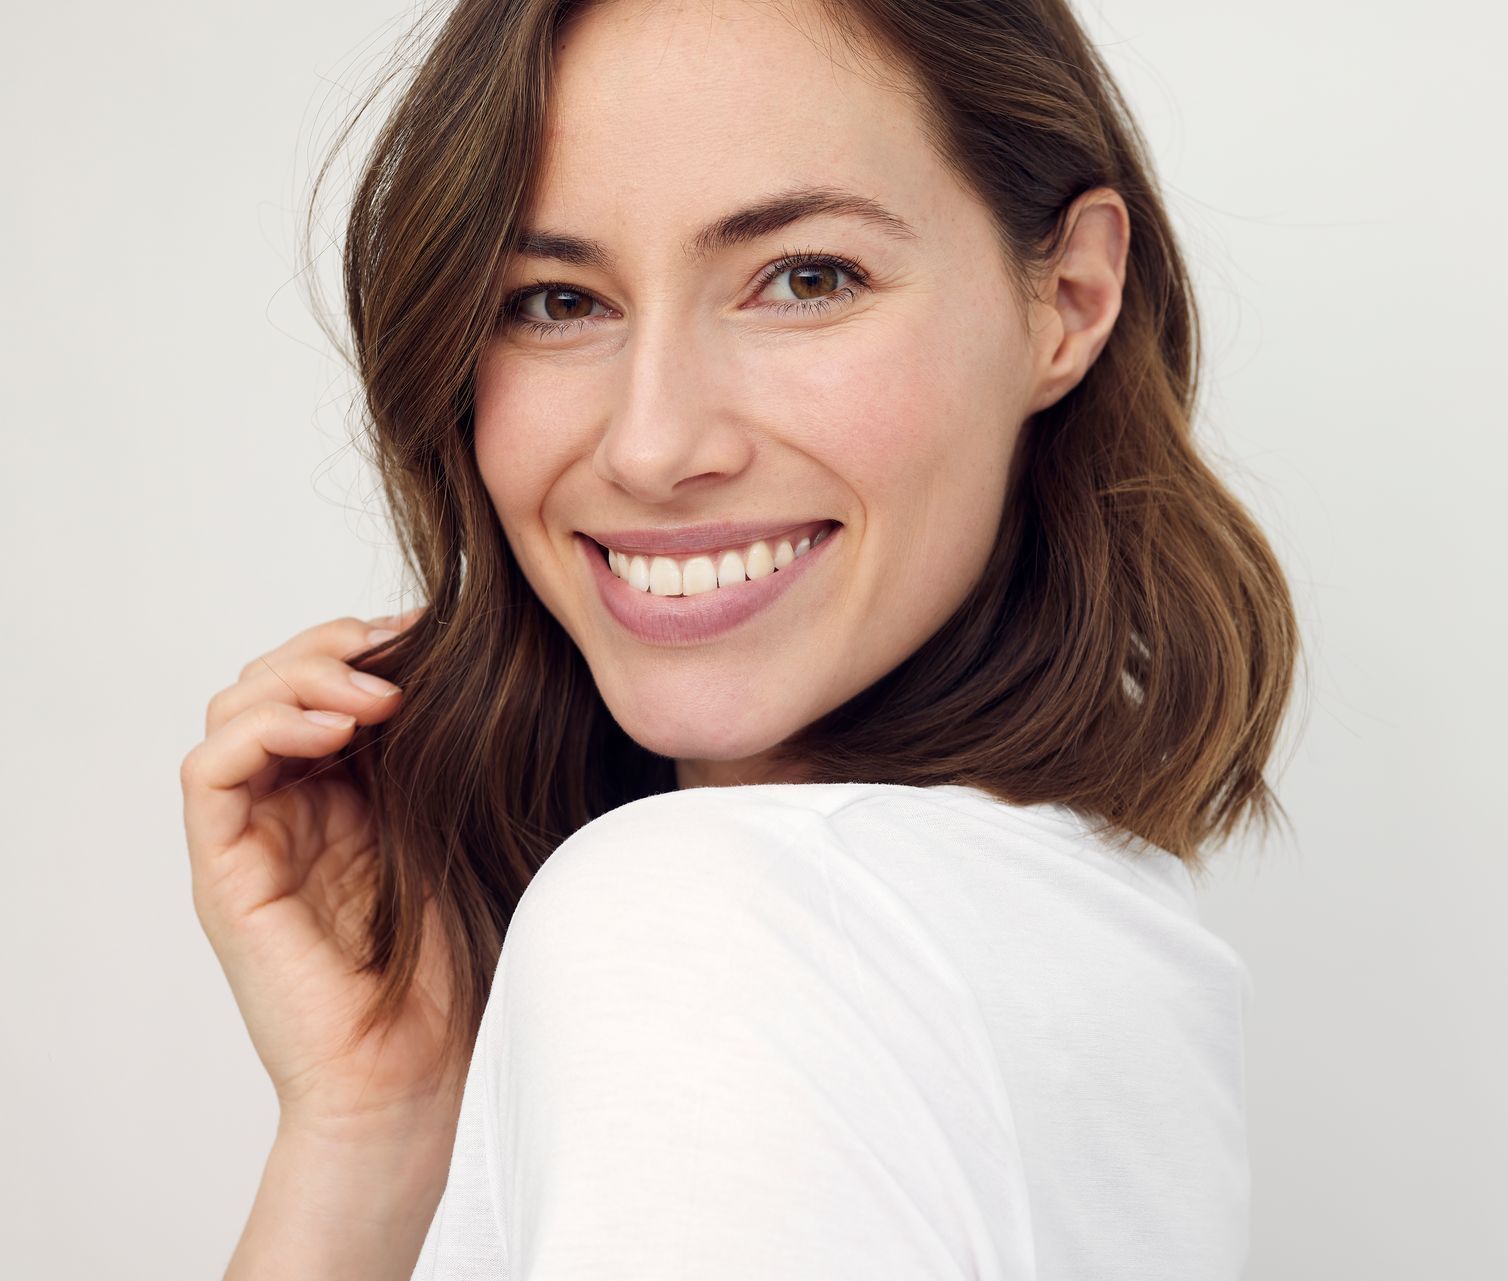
[(343, 1201), (421, 1132)]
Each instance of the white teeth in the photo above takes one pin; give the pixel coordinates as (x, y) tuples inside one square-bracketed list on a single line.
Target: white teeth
[(730, 569), (699, 576), (760, 563), (666, 576)]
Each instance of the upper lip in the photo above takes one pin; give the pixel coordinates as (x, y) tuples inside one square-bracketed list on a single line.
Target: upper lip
[(710, 536)]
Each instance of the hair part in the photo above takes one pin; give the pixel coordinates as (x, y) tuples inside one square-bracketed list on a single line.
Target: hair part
[(1128, 651)]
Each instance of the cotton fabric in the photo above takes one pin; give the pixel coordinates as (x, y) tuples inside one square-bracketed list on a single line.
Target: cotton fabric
[(852, 1032)]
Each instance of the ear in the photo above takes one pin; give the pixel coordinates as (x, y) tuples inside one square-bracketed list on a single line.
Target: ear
[(1080, 297)]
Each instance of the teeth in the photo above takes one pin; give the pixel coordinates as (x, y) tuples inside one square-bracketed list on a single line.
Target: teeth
[(699, 575), (665, 576), (759, 563)]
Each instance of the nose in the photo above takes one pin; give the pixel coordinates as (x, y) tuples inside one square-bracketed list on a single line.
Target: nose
[(674, 427)]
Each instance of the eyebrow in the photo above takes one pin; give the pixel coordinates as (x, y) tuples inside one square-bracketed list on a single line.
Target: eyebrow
[(739, 227)]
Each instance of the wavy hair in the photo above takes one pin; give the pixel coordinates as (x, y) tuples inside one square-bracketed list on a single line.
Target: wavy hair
[(1128, 652)]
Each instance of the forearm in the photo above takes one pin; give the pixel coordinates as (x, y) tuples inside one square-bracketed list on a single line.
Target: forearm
[(343, 1209)]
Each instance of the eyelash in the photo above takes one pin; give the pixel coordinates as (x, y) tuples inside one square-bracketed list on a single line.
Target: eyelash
[(787, 260)]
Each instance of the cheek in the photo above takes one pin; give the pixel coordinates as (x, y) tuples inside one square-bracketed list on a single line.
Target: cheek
[(917, 422), (919, 426), (518, 458), (522, 445)]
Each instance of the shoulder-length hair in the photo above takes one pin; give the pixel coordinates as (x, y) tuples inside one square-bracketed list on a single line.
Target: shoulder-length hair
[(1128, 652)]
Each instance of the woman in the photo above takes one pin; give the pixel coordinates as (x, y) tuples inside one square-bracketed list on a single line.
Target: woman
[(786, 410)]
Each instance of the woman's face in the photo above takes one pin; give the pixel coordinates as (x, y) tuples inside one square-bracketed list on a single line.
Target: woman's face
[(746, 376)]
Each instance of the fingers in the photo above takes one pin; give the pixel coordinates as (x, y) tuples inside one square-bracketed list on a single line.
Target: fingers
[(342, 637), (214, 774), (254, 724), (298, 671), (309, 680)]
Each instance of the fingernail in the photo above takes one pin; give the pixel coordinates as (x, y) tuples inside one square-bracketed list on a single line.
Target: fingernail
[(373, 684), (341, 719), (379, 634)]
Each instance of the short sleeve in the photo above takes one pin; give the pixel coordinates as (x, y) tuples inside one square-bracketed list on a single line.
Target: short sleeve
[(463, 1242), (719, 1050)]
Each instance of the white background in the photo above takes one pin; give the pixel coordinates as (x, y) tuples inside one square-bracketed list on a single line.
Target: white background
[(178, 494)]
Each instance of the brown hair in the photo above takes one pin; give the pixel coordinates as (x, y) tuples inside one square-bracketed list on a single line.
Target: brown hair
[(1128, 652)]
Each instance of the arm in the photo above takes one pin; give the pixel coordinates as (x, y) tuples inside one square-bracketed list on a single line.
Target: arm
[(343, 1207)]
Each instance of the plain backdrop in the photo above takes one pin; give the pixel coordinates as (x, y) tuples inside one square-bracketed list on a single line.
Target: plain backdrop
[(179, 493)]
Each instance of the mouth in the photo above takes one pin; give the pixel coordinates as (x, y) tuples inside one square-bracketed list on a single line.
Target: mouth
[(688, 600), (712, 568)]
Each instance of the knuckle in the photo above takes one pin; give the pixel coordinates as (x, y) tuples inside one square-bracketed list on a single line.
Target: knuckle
[(263, 717), (214, 711)]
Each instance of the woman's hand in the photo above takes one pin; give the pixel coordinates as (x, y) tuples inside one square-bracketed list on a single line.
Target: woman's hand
[(282, 849)]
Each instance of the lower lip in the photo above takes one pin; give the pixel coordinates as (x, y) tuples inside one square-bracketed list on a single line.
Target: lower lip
[(690, 620)]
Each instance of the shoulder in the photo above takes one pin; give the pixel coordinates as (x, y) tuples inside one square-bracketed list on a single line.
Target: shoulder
[(701, 870), (708, 1018), (717, 838), (758, 867), (681, 855), (683, 825), (753, 900)]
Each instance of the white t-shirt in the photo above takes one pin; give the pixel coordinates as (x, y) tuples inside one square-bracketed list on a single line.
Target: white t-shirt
[(852, 1032)]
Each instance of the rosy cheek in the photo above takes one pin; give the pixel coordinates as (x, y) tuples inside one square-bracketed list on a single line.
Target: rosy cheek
[(519, 440), (875, 412)]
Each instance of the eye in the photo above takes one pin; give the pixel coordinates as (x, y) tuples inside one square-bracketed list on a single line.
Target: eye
[(814, 280), (814, 284), (565, 307)]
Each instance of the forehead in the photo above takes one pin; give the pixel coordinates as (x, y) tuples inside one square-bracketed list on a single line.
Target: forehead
[(694, 107)]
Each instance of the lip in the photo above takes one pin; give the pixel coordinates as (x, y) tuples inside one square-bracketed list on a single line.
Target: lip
[(691, 620)]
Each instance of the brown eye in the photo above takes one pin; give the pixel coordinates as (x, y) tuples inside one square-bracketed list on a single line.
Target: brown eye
[(817, 281), (565, 306), (576, 305), (814, 280)]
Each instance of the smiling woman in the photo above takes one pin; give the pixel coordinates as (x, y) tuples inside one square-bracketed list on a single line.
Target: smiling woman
[(835, 661), (695, 369)]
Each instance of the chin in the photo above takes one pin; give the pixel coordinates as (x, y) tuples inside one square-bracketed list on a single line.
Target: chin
[(728, 726)]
